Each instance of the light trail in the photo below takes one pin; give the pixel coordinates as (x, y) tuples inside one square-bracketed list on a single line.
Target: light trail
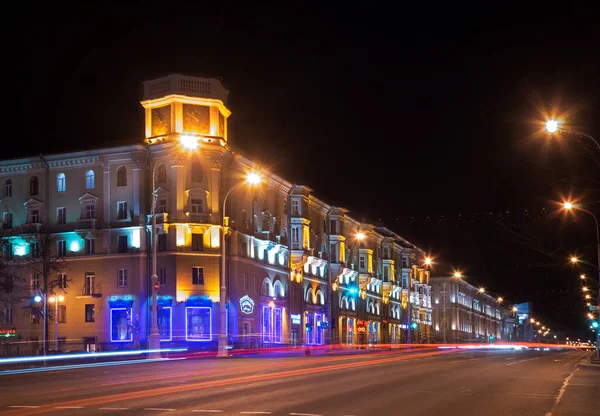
[(30, 359)]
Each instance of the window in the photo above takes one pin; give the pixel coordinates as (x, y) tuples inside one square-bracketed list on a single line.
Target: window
[(90, 183), (62, 314), (61, 182), (34, 216), (35, 281), (164, 319), (122, 210), (122, 243), (61, 216), (161, 174), (386, 272), (162, 276), (122, 176), (34, 248), (295, 234), (295, 207), (362, 262), (244, 252), (61, 248), (90, 312), (277, 325), (245, 281), (162, 242), (8, 316), (196, 172), (266, 289), (197, 206), (161, 206), (333, 227), (62, 280), (89, 246), (266, 324), (90, 277), (386, 253), (198, 323), (7, 188), (33, 185), (7, 220), (89, 211), (122, 277), (255, 284), (197, 275), (197, 242), (120, 325)]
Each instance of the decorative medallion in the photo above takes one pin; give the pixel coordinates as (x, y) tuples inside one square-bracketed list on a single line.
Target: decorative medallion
[(161, 120), (196, 118), (246, 305)]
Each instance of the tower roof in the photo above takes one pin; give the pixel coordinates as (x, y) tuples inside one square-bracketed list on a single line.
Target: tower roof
[(185, 85)]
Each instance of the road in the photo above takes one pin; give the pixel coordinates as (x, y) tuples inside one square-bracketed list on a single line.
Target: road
[(384, 383)]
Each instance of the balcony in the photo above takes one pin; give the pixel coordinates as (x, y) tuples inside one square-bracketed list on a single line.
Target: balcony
[(198, 218), (90, 290), (87, 223), (161, 218), (33, 227)]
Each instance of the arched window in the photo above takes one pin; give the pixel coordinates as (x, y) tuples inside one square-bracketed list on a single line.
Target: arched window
[(309, 296), (197, 173), (161, 174), (353, 304), (320, 297), (377, 308), (33, 185), (122, 176), (61, 182), (278, 289), (344, 302), (371, 308), (7, 188), (266, 287), (90, 183)]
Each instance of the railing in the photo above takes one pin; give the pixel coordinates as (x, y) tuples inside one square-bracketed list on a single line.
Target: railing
[(161, 218), (87, 223), (199, 218)]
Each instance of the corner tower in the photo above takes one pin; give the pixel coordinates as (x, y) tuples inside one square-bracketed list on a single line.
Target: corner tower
[(178, 105)]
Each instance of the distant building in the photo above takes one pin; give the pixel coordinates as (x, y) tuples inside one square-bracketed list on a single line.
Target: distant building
[(461, 313), (296, 271)]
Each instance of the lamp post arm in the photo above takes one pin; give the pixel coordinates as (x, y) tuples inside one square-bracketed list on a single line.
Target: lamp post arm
[(581, 134)]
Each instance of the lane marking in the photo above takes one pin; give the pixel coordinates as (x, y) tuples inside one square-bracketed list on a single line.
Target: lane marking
[(304, 414), (522, 361), (207, 411), (256, 413), (26, 407), (69, 407), (114, 408), (466, 359), (563, 388), (159, 409)]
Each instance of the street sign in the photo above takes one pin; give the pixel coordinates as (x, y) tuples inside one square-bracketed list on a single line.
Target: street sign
[(594, 307), (8, 332), (156, 285)]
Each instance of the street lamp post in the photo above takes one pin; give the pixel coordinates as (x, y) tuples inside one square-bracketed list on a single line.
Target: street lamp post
[(569, 206), (553, 126), (154, 337), (251, 179)]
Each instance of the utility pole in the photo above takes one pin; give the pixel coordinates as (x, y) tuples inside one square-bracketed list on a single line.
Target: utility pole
[(45, 255)]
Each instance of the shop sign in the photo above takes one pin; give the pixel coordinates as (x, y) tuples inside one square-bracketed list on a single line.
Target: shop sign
[(8, 332), (322, 324), (246, 305), (361, 326), (296, 319)]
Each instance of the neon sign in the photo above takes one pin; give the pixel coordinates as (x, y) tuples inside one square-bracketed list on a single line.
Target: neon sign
[(8, 332), (246, 305), (296, 319)]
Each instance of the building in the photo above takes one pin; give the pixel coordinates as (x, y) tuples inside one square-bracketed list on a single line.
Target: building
[(463, 313), (298, 270)]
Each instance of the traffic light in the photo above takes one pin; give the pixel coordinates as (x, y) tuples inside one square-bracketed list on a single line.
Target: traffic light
[(308, 328), (595, 324), (414, 325)]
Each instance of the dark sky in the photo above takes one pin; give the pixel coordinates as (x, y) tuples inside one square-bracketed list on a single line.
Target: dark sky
[(424, 118)]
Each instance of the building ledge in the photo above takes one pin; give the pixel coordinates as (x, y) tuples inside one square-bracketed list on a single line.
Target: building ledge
[(92, 296)]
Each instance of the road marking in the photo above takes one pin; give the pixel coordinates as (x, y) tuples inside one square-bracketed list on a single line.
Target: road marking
[(561, 392), (27, 407), (304, 414), (466, 359), (207, 411), (256, 413), (69, 407), (159, 409), (114, 408), (522, 361)]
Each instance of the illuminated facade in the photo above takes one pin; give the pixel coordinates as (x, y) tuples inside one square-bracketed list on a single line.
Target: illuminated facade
[(461, 313), (296, 273)]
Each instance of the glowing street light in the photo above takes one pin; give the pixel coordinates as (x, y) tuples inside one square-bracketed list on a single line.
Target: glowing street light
[(37, 298), (585, 289), (588, 297), (551, 126), (568, 205), (457, 274), (481, 290), (252, 179), (500, 299), (574, 260), (360, 236), (515, 309), (428, 261), (582, 277), (532, 321)]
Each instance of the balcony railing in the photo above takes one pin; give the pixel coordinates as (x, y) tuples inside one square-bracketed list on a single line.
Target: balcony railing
[(199, 218), (32, 227), (87, 223), (161, 218)]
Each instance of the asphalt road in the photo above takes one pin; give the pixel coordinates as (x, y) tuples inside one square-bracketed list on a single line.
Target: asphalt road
[(383, 383)]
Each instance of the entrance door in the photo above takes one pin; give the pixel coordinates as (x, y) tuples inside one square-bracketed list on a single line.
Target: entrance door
[(294, 337), (246, 334)]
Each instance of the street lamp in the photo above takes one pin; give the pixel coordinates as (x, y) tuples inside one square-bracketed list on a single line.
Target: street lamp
[(554, 126), (458, 275), (500, 299), (428, 261), (574, 260), (252, 179), (481, 290), (582, 277)]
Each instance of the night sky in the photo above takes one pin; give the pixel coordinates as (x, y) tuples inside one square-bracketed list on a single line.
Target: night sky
[(425, 119)]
